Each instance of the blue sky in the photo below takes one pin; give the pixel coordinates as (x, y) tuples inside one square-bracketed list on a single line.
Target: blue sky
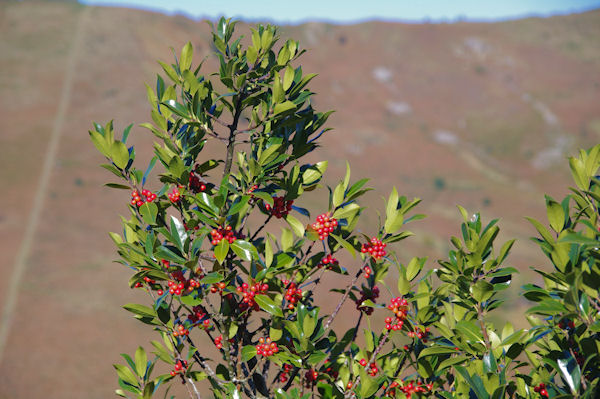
[(283, 11)]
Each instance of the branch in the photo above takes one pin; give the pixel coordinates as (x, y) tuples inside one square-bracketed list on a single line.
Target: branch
[(232, 131), (339, 306), (197, 394), (486, 337), (261, 227), (371, 359)]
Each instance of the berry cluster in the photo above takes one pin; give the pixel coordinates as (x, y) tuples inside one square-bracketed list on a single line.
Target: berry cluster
[(249, 292), (147, 280), (541, 389), (292, 295), (399, 306), (266, 347), (579, 358), (218, 287), (219, 342), (375, 248), (408, 389), (222, 234), (196, 185), (194, 225), (373, 370), (368, 271), (310, 377), (329, 370), (180, 367), (328, 262), (179, 286), (139, 200), (393, 324), (280, 207), (181, 331), (174, 195), (198, 314), (283, 376), (324, 225), (566, 324), (420, 333), (372, 294), (251, 189)]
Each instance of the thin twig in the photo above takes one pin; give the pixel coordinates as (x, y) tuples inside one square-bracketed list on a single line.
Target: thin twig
[(339, 306), (195, 389), (371, 359), (261, 227)]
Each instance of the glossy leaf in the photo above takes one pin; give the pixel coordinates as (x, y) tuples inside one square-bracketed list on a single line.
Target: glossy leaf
[(268, 305), (221, 250)]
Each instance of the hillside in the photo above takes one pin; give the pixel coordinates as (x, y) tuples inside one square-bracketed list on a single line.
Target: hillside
[(478, 114)]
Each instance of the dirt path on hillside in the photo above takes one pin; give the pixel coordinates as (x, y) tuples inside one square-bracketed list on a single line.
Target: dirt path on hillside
[(10, 300)]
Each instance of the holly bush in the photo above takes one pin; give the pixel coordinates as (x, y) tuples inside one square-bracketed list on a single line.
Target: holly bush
[(230, 261)]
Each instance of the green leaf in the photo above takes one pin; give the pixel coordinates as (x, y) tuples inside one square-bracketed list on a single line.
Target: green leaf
[(571, 373), (368, 385), (403, 284), (313, 173), (308, 325), (185, 61), (452, 361), (251, 55), (393, 223), (317, 357), (165, 253), (212, 278), (548, 307), (392, 203), (111, 168), (344, 244), (541, 229), (149, 211), (268, 252), (244, 250), (141, 361), (275, 333), (470, 330), (338, 195), (221, 250), (482, 290), (119, 154), (126, 374), (283, 107), (489, 363), (414, 267), (288, 77), (248, 352), (100, 142), (556, 215), (118, 186), (474, 382), (140, 310), (169, 71), (295, 224), (268, 305), (436, 350), (347, 211)]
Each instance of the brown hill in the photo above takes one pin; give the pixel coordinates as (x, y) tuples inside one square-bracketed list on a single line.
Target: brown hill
[(476, 114)]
